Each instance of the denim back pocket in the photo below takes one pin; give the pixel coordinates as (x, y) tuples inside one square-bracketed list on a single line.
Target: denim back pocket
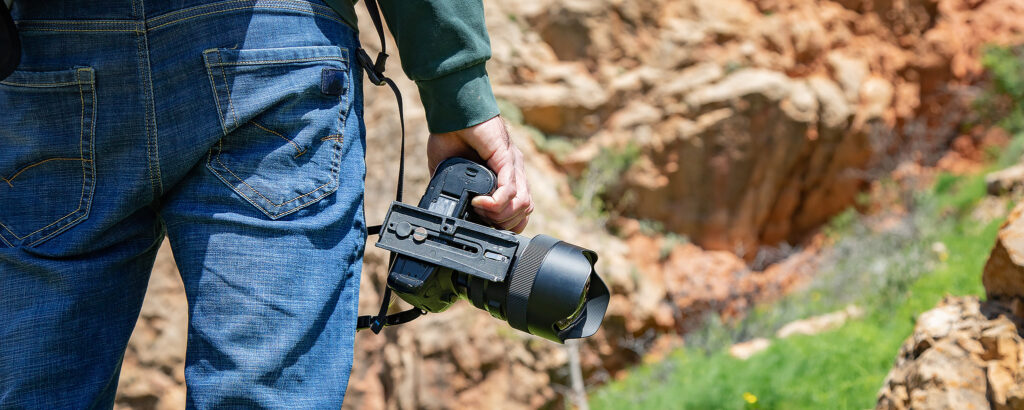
[(281, 111), (47, 175)]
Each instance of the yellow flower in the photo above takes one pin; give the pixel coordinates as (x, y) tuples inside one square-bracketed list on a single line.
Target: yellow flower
[(749, 398)]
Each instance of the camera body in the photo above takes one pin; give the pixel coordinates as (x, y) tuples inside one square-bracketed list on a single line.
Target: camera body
[(540, 285)]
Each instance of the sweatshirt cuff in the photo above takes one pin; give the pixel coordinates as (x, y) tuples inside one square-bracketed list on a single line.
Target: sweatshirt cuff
[(458, 100)]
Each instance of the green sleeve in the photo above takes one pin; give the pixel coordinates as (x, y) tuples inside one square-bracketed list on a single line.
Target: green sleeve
[(444, 45)]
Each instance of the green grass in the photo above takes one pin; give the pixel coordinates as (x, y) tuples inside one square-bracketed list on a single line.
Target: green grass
[(894, 276)]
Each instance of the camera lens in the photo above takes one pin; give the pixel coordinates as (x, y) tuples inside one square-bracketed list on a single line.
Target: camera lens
[(552, 291), (564, 323)]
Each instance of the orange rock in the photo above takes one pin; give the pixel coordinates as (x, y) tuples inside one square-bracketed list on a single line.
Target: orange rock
[(1003, 276)]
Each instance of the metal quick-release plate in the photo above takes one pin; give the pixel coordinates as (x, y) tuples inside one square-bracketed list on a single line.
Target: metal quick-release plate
[(448, 242)]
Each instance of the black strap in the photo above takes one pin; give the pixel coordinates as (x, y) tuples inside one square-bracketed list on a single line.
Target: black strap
[(370, 322), (382, 57), (375, 73), (375, 67), (10, 43)]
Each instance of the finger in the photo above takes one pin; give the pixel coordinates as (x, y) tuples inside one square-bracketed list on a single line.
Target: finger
[(523, 187), (509, 217), (512, 222), (522, 225), (498, 200)]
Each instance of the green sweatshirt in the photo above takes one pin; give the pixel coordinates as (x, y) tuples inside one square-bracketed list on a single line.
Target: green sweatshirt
[(443, 45)]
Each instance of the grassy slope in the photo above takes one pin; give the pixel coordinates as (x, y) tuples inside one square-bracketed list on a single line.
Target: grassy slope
[(843, 368)]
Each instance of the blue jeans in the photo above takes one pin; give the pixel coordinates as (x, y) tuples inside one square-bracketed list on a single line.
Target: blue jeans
[(234, 128)]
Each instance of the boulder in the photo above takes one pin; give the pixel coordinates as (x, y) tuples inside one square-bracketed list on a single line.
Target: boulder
[(818, 324), (745, 350), (963, 355), (1003, 275), (1006, 180)]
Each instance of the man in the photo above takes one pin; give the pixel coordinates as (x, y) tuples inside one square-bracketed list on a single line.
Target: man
[(234, 128)]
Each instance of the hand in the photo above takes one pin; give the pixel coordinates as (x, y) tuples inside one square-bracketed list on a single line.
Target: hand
[(510, 205)]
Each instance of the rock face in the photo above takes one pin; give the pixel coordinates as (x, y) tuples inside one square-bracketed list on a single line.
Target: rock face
[(764, 159), (963, 355), (756, 120), (1003, 276)]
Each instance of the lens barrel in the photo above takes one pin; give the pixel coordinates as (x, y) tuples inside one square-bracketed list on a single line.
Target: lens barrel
[(548, 284), (552, 291)]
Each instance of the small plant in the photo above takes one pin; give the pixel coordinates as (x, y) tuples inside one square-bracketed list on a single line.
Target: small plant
[(603, 172), (1003, 102), (670, 242), (556, 146)]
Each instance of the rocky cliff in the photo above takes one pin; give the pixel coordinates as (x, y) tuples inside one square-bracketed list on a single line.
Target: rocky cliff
[(756, 121)]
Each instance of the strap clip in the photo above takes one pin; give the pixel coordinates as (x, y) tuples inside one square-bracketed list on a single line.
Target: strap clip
[(374, 68)]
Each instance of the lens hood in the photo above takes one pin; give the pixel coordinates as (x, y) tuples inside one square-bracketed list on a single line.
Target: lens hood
[(550, 281)]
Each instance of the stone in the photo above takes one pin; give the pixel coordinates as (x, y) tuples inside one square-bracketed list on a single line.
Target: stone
[(849, 72), (957, 358), (818, 324), (1006, 180), (770, 84), (745, 350), (1003, 275)]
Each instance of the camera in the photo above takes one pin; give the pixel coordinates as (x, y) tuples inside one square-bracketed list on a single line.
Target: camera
[(442, 253)]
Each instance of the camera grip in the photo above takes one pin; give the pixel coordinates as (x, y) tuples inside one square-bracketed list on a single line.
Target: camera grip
[(456, 181)]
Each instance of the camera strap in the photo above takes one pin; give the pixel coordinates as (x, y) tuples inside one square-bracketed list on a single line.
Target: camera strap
[(374, 69), (10, 43)]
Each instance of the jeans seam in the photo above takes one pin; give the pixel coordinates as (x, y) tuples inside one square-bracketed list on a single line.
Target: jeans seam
[(294, 60), (155, 141), (40, 85), (326, 16), (108, 30), (216, 98), (152, 131), (217, 4), (227, 90), (254, 5)]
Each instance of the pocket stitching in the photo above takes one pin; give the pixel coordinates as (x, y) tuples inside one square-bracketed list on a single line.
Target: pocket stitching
[(85, 179), (220, 143), (39, 85), (298, 149), (333, 173), (216, 95), (264, 62), (227, 91), (27, 167)]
